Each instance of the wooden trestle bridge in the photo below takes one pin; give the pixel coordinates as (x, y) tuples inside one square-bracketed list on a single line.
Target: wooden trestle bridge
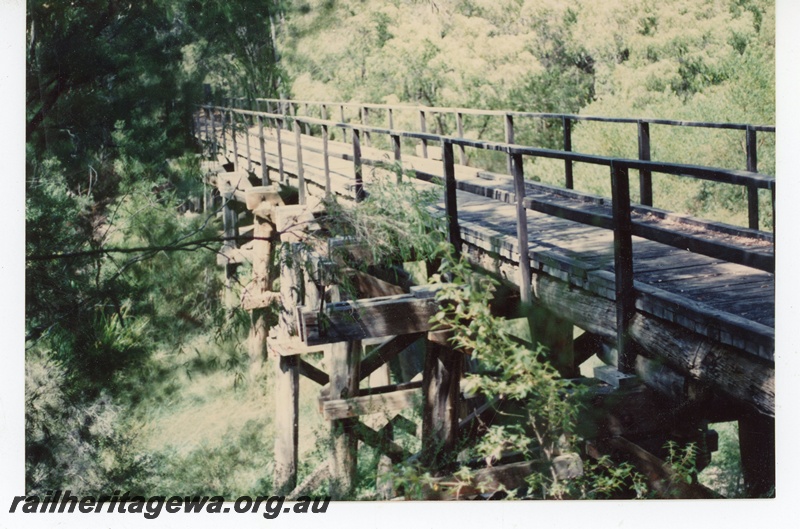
[(680, 310)]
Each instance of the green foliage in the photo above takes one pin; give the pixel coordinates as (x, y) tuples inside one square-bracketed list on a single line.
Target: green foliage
[(86, 447), (394, 221), (724, 474)]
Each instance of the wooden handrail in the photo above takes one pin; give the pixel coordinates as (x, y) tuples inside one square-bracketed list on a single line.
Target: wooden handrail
[(751, 180)]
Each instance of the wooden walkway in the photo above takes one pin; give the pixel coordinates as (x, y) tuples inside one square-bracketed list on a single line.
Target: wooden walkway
[(728, 303)]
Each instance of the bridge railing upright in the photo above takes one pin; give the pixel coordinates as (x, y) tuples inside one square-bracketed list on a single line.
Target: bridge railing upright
[(620, 222)]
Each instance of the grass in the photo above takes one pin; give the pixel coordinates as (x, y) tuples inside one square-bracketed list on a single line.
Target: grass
[(210, 431)]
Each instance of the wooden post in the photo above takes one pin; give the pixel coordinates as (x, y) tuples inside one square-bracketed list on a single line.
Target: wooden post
[(281, 173), (645, 175), (323, 112), (365, 122), (293, 114), (235, 145), (398, 155), (450, 203), (423, 127), (257, 341), (344, 358), (460, 128), (247, 143), (264, 169), (326, 161), (391, 119), (341, 120), (752, 190), (287, 374), (623, 266), (757, 448), (509, 122), (441, 377), (230, 231), (357, 168), (222, 132), (301, 181), (555, 333), (522, 228), (306, 126), (568, 183)]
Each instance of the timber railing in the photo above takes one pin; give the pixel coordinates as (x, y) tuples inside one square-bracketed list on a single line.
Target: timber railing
[(621, 222), (361, 112)]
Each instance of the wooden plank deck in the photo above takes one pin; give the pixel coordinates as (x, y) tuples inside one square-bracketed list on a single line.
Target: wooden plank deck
[(726, 302)]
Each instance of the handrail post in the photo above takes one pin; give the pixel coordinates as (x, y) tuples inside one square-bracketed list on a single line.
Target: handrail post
[(247, 143), (398, 156), (450, 203), (357, 169), (752, 190), (391, 119), (222, 132), (460, 128), (306, 126), (341, 120), (365, 122), (625, 295), (645, 175), (568, 182), (423, 127), (235, 144), (264, 169), (509, 126), (278, 127), (522, 227), (301, 181), (325, 162), (323, 113), (293, 114)]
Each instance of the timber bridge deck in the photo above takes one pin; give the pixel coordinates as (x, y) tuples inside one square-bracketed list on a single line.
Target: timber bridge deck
[(686, 304)]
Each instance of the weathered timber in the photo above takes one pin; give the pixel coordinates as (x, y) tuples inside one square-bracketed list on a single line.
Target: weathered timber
[(386, 403), (313, 373), (503, 477), (294, 347), (287, 387), (373, 318), (252, 300), (441, 377), (555, 333), (343, 360), (757, 448), (257, 295), (293, 222), (742, 377), (258, 195), (381, 441), (386, 352), (287, 379), (312, 481), (368, 286), (614, 377), (729, 370)]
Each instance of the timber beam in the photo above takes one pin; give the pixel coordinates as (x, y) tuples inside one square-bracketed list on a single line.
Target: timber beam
[(733, 372), (373, 318)]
